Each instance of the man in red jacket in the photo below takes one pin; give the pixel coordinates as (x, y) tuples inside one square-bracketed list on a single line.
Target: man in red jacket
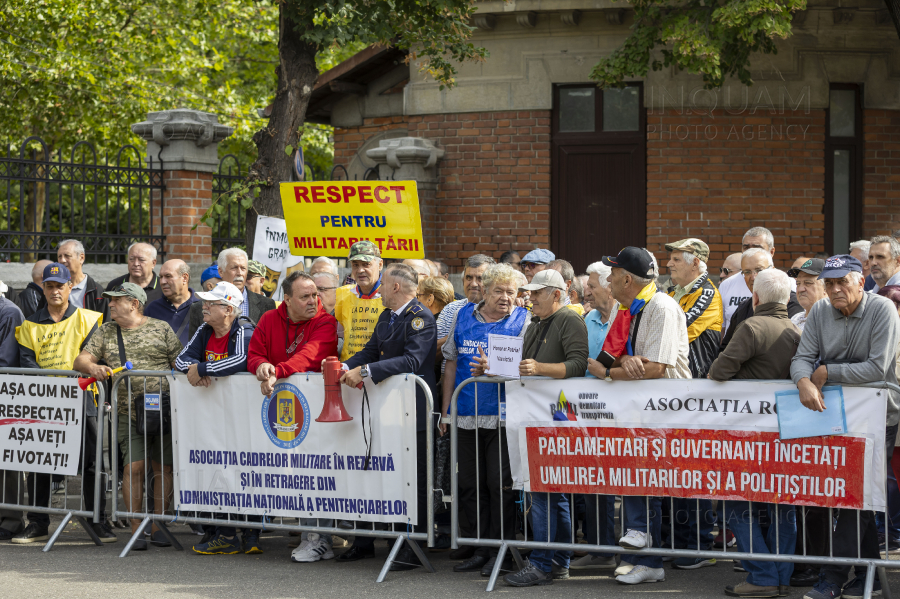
[(295, 337)]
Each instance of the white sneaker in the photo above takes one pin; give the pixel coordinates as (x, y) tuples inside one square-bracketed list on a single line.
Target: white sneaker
[(624, 568), (641, 574), (589, 562), (312, 549), (635, 539)]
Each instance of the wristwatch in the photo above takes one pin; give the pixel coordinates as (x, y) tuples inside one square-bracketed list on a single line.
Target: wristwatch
[(364, 371), (607, 378)]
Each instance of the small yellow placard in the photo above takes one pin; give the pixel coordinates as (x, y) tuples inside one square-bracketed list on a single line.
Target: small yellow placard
[(324, 218)]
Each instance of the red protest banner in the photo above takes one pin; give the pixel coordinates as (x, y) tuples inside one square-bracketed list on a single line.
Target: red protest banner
[(713, 464)]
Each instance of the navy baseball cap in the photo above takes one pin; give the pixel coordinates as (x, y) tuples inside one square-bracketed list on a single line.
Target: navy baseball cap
[(635, 260), (840, 266), (56, 272), (539, 256)]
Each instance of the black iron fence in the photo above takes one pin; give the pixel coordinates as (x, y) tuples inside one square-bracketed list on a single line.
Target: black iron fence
[(107, 205)]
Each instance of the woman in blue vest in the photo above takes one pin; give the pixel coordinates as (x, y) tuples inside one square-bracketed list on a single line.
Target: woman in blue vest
[(479, 424)]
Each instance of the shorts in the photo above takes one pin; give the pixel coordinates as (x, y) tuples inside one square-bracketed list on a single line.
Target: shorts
[(134, 450)]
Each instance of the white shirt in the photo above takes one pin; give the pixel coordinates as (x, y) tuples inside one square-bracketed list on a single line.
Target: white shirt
[(733, 290), (400, 310)]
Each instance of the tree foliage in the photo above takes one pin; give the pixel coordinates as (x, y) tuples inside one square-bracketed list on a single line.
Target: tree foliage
[(74, 70), (435, 31), (713, 38)]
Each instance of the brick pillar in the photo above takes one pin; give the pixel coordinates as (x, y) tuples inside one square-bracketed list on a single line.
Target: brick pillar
[(413, 159), (183, 143)]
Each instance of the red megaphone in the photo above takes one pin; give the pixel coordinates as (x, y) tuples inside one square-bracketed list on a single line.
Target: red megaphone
[(85, 383), (333, 410)]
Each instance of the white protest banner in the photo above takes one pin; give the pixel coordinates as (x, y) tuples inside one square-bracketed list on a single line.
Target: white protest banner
[(690, 438), (270, 246), (40, 424), (242, 453), (504, 355)]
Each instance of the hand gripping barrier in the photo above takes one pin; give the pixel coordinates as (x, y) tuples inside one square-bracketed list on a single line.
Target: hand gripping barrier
[(40, 488), (508, 541), (397, 532)]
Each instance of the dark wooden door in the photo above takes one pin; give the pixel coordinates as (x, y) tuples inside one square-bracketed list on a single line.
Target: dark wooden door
[(598, 175)]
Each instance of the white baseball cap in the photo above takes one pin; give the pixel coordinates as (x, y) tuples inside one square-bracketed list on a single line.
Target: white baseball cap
[(545, 278), (223, 292)]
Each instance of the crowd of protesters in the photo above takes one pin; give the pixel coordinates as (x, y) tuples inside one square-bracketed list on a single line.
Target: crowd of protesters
[(828, 319)]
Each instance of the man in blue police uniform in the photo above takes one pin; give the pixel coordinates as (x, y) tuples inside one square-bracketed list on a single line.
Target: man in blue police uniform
[(404, 341)]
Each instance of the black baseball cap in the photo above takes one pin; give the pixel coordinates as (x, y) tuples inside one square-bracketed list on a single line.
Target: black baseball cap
[(637, 261), (813, 266), (840, 266)]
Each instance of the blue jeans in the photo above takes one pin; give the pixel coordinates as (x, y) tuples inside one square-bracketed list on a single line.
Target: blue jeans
[(636, 519), (684, 523), (560, 528), (737, 518), (605, 507)]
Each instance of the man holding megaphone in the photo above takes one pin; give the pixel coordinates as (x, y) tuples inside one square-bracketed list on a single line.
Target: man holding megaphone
[(404, 341)]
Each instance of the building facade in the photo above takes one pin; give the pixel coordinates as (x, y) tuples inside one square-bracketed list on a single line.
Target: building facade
[(525, 151)]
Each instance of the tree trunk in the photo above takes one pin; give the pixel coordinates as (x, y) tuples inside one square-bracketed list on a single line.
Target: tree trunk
[(297, 74)]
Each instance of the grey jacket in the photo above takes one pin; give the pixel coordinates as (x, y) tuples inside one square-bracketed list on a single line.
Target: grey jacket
[(864, 345)]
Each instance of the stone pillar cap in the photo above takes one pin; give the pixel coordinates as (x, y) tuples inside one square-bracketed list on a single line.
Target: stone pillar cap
[(406, 150), (182, 124)]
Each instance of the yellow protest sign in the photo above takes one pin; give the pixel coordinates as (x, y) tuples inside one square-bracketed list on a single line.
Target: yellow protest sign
[(324, 218)]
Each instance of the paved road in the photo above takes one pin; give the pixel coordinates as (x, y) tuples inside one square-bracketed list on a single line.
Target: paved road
[(77, 568)]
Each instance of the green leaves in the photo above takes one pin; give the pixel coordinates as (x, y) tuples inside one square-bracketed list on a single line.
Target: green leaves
[(712, 38)]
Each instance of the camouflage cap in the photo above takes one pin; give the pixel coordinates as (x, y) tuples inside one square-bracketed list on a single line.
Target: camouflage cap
[(129, 289), (365, 251), (255, 267), (690, 245)]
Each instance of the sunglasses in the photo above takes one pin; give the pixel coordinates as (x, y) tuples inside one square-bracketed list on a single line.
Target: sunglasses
[(725, 271)]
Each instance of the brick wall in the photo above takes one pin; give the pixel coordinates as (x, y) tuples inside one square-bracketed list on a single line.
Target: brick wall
[(708, 176), (347, 142), (881, 193), (715, 176), (188, 197), (494, 191)]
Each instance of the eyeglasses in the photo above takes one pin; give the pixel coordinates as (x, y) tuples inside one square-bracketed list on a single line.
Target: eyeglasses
[(750, 273), (528, 265), (725, 271)]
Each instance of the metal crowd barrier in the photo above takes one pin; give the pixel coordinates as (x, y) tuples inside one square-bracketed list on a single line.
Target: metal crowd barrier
[(81, 513), (513, 544), (397, 532)]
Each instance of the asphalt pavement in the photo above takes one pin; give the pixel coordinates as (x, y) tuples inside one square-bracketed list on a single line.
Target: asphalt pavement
[(76, 568)]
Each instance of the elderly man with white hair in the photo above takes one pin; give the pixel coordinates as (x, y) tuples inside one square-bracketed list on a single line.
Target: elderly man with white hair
[(141, 262), (762, 348), (754, 261), (323, 264), (86, 293), (232, 264), (851, 340), (735, 290)]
